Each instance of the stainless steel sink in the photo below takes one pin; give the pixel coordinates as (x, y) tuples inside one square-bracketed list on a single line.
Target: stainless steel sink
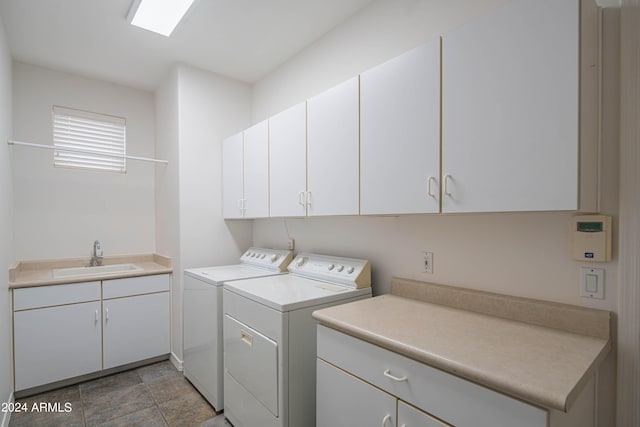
[(100, 270)]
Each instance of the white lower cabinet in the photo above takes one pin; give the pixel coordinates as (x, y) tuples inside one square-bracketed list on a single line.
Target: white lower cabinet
[(408, 416), (58, 342), (344, 400), (135, 320), (354, 403), (135, 328), (69, 330), (358, 376)]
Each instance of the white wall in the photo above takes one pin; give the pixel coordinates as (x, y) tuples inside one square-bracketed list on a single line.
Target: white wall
[(211, 109), (523, 254), (195, 111), (60, 212), (167, 197), (629, 297), (6, 222)]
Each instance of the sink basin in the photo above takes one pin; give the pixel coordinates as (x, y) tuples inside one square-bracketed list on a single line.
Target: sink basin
[(59, 273)]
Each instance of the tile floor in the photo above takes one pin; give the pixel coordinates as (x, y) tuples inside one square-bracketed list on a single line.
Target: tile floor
[(153, 395)]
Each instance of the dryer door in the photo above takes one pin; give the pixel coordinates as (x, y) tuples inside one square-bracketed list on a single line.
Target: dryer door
[(252, 359)]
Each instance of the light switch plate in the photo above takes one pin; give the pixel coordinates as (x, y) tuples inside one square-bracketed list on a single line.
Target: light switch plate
[(592, 282)]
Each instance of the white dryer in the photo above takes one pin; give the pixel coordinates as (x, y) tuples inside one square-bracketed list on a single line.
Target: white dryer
[(270, 338), (202, 331)]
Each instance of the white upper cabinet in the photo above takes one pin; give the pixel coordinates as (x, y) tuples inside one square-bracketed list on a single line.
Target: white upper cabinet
[(288, 162), (245, 173), (333, 145), (256, 171), (510, 109), (400, 134), (232, 177)]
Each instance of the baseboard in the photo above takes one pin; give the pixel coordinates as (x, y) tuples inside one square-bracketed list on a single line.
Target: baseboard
[(175, 360), (6, 416)]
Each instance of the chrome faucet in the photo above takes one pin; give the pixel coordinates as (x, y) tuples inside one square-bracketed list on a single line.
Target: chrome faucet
[(96, 257)]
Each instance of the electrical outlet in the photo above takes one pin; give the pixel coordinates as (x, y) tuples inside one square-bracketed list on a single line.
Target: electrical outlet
[(291, 244), (427, 266)]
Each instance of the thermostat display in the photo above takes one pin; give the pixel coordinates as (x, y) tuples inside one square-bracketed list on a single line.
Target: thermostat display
[(592, 238)]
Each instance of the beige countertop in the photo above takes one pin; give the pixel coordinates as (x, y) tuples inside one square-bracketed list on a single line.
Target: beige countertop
[(40, 273), (544, 365)]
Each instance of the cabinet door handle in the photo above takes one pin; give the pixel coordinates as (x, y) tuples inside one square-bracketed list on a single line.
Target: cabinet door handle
[(429, 192), (385, 419), (106, 314), (246, 338), (309, 198), (301, 198), (388, 374), (97, 313), (447, 178), (240, 204)]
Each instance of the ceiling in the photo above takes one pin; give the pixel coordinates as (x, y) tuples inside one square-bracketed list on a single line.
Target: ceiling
[(241, 39)]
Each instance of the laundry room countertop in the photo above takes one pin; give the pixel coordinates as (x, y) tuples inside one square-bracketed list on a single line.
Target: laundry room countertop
[(538, 351), (40, 273)]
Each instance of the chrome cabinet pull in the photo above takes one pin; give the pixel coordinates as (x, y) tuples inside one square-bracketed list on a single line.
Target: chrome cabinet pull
[(301, 198), (447, 178), (309, 198), (97, 315), (385, 419), (388, 374), (429, 192), (106, 317)]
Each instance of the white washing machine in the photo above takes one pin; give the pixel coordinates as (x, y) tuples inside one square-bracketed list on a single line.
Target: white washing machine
[(202, 332), (270, 338)]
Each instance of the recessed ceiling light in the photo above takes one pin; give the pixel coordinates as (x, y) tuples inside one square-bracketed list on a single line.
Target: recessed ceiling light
[(159, 16)]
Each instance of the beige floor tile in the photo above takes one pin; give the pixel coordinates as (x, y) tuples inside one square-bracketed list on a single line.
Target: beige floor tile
[(97, 388), (150, 417), (114, 404), (169, 388), (186, 411)]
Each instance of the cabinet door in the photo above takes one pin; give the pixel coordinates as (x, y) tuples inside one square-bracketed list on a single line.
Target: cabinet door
[(345, 401), (232, 177), (56, 343), (408, 416), (135, 328), (332, 144), (510, 109), (256, 171), (400, 134), (288, 162)]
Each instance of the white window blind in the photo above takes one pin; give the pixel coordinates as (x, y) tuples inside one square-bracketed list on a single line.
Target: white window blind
[(89, 140)]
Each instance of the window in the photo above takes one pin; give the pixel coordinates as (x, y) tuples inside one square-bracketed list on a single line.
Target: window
[(89, 140)]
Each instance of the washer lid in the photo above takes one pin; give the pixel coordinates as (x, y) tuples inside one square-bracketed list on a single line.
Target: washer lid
[(226, 273), (289, 292)]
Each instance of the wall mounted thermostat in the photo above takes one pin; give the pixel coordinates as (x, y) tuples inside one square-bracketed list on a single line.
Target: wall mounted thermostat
[(592, 238)]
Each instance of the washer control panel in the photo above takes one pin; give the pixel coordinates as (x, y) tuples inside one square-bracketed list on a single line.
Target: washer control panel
[(355, 273), (273, 259)]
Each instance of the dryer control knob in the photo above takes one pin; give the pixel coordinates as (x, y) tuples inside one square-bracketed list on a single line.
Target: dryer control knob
[(273, 258), (350, 270), (301, 261), (340, 268), (331, 267)]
